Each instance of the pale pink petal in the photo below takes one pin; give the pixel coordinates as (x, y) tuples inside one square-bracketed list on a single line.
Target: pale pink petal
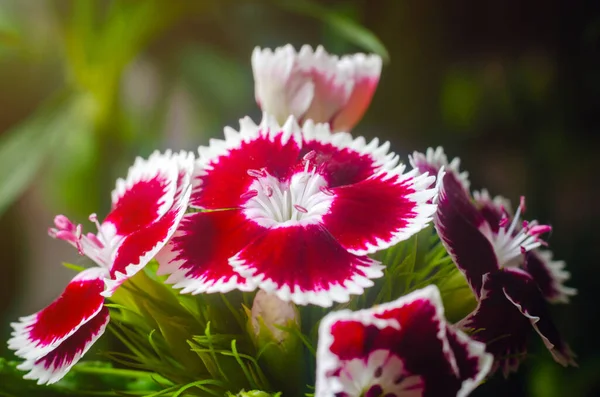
[(314, 85), (333, 81), (366, 70), (281, 88)]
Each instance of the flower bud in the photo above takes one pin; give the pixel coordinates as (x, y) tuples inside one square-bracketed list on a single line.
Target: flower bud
[(253, 393), (274, 327), (312, 84), (269, 312)]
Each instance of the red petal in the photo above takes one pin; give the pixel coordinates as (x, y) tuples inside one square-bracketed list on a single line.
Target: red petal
[(304, 264), (197, 256), (377, 213), (442, 361), (54, 365), (225, 178), (146, 194), (340, 165), (139, 248), (40, 333)]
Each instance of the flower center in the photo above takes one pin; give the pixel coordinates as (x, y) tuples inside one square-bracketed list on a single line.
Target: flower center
[(380, 374), (303, 199), (511, 241)]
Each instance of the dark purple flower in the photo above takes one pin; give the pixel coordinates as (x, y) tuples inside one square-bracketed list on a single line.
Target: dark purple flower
[(501, 259)]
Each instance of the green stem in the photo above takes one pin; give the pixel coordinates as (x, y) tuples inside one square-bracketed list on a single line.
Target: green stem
[(124, 373)]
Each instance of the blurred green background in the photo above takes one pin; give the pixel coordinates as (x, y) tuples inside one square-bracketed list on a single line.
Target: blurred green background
[(513, 88)]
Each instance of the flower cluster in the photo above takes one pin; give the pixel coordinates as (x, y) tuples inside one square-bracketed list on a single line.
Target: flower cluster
[(293, 214)]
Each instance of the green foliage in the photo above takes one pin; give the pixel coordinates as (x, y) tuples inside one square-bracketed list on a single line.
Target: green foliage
[(342, 25), (414, 264), (198, 343), (280, 351), (24, 148), (87, 379), (96, 41), (253, 393)]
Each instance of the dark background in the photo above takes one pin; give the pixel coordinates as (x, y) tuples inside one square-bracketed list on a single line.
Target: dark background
[(511, 87)]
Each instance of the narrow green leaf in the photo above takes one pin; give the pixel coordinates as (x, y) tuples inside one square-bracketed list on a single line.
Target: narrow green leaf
[(24, 148), (344, 26)]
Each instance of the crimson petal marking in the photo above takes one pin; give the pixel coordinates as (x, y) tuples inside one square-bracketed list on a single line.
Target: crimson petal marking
[(54, 366), (305, 264), (473, 362), (138, 248), (456, 222), (510, 304), (379, 212), (146, 194), (340, 166), (222, 172), (549, 275), (342, 159), (40, 333), (413, 329), (197, 256)]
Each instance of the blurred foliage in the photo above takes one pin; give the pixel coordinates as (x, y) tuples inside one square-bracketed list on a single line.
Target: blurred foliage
[(98, 40)]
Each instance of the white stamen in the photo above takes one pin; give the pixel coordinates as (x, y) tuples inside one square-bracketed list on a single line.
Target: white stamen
[(509, 243), (268, 191), (249, 194), (300, 208), (303, 198), (256, 173)]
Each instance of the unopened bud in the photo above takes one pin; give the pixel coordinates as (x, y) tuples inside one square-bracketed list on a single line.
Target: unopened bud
[(253, 393), (274, 326), (272, 312)]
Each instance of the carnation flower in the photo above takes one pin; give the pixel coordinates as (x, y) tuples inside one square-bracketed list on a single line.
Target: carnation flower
[(401, 348), (492, 249), (146, 209), (294, 211), (312, 84)]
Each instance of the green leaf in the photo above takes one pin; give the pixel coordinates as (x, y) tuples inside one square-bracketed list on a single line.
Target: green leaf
[(344, 26), (24, 148)]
